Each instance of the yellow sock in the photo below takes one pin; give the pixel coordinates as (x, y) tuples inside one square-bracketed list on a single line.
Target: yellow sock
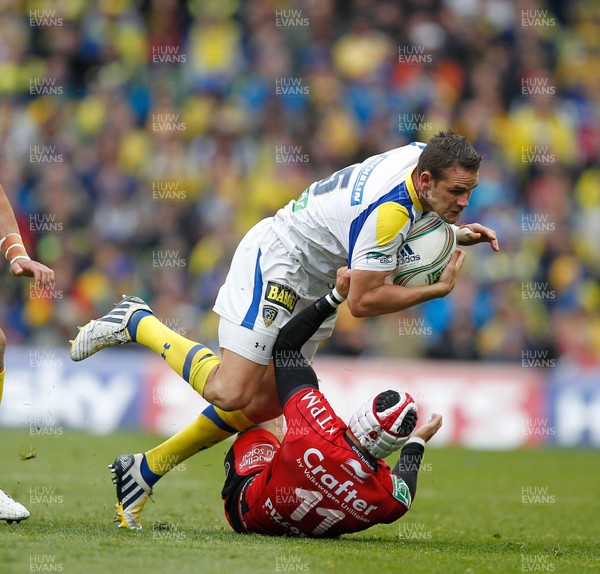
[(190, 360), (210, 428), (1, 385), (236, 420)]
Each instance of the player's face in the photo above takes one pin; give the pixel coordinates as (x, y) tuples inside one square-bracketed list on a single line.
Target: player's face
[(449, 195)]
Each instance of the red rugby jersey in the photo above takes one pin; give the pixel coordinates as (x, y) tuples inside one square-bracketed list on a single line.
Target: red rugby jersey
[(317, 483)]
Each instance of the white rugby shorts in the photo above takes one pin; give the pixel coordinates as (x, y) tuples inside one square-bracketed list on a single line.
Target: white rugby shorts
[(264, 288)]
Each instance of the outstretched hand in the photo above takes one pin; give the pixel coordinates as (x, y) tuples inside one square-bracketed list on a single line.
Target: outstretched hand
[(429, 429), (44, 276), (474, 233)]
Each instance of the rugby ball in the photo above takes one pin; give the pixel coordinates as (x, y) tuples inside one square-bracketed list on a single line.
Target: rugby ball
[(426, 251)]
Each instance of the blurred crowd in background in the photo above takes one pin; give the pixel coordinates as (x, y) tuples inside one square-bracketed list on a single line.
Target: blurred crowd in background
[(139, 140)]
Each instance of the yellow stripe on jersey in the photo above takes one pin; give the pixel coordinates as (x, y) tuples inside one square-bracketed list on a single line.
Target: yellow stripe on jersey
[(391, 218), (412, 191)]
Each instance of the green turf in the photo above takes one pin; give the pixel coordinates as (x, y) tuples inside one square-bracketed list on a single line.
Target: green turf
[(469, 516)]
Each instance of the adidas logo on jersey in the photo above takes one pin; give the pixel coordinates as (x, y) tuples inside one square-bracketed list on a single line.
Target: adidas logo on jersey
[(407, 255)]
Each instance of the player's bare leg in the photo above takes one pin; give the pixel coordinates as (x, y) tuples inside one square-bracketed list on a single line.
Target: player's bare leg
[(264, 405), (234, 383)]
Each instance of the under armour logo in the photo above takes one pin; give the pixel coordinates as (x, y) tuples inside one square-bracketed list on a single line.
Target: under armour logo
[(166, 346), (257, 345)]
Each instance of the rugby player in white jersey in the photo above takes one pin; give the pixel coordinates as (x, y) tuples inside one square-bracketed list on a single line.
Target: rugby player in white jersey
[(357, 217)]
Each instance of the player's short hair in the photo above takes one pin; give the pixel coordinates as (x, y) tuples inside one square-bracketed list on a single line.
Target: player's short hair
[(445, 150)]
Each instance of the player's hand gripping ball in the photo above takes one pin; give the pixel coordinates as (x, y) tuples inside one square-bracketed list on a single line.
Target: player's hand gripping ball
[(425, 253)]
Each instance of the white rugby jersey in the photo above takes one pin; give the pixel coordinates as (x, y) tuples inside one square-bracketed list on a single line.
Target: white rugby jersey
[(359, 216)]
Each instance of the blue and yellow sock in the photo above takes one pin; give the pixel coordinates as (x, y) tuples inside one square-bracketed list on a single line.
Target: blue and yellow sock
[(210, 428), (190, 360), (150, 477)]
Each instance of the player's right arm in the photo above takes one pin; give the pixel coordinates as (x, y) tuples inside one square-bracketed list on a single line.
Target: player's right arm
[(370, 295)]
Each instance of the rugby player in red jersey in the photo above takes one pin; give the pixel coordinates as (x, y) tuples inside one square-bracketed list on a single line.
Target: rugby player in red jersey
[(326, 478)]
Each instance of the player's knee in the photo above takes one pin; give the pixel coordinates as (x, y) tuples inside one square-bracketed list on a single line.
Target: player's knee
[(231, 402), (235, 383), (2, 343), (228, 397), (260, 410)]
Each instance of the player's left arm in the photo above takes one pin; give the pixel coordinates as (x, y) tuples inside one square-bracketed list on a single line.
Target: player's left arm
[(473, 233), (409, 463), (292, 371), (407, 467), (11, 245)]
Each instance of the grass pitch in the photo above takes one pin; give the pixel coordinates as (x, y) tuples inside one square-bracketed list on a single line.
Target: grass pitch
[(521, 511)]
